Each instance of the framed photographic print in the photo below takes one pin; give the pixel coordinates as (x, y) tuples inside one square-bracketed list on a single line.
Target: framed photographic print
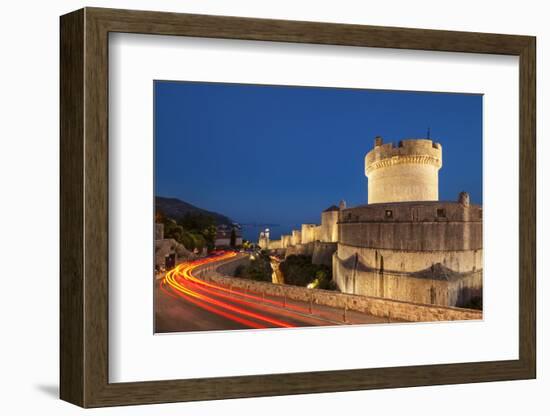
[(255, 207)]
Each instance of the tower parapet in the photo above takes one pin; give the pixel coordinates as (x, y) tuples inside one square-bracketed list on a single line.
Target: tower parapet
[(406, 172)]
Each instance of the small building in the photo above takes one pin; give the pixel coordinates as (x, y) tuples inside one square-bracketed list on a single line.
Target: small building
[(168, 252), (225, 233)]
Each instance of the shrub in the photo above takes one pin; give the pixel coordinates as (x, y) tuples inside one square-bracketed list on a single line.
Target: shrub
[(259, 269), (298, 270)]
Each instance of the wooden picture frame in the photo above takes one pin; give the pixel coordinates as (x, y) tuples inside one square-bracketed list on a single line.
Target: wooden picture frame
[(84, 207)]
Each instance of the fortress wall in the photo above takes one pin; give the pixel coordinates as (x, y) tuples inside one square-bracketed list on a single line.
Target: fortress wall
[(296, 237), (426, 252), (286, 241), (308, 233), (318, 233), (457, 290), (300, 250), (413, 236), (403, 261), (329, 226), (421, 211), (262, 242), (322, 253), (419, 226), (406, 311), (275, 244)]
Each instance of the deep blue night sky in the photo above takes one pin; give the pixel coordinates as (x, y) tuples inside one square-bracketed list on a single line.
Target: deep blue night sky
[(280, 155)]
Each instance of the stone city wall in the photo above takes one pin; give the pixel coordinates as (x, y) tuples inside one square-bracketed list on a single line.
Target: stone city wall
[(413, 226), (329, 226), (286, 241), (275, 244), (296, 237), (300, 250), (308, 233), (408, 261), (406, 311), (322, 253), (435, 285)]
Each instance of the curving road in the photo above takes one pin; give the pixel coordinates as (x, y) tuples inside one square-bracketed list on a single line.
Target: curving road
[(185, 302)]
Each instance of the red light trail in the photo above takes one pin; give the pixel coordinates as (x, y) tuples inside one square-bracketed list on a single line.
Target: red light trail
[(244, 308)]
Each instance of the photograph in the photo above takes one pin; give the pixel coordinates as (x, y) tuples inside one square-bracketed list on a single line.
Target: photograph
[(291, 206)]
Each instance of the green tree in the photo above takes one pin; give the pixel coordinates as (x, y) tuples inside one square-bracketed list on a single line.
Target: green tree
[(298, 270), (258, 269), (200, 224)]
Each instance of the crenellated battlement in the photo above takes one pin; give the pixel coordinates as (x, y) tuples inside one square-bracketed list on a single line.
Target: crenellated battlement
[(405, 151)]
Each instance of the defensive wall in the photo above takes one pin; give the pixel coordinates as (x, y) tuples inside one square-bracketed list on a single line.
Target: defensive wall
[(425, 252), (326, 232), (391, 309), (329, 225), (296, 237), (274, 244), (323, 252), (310, 233), (300, 250), (286, 241)]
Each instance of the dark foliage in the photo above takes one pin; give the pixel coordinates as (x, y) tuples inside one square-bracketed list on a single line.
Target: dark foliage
[(193, 230), (259, 269), (298, 270)]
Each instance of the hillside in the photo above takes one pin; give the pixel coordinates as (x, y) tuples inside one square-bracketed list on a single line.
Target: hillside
[(176, 208)]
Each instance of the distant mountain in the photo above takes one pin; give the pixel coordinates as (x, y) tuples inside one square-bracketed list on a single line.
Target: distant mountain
[(176, 208)]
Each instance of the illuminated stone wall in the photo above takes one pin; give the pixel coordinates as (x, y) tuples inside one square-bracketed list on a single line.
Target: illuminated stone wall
[(426, 252), (406, 172), (323, 252), (392, 309), (308, 233), (296, 237), (329, 226), (438, 287), (275, 244)]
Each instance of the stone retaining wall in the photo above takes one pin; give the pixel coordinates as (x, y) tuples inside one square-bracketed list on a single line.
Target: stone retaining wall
[(227, 268), (406, 311), (437, 285)]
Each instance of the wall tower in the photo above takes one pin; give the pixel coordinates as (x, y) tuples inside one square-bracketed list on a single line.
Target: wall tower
[(408, 172)]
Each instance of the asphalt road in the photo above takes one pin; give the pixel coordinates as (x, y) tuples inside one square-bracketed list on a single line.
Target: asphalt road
[(184, 302)]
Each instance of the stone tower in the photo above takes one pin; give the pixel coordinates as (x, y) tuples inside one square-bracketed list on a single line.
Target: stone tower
[(408, 172)]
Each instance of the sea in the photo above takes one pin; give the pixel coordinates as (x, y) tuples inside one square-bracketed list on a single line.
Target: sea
[(251, 232)]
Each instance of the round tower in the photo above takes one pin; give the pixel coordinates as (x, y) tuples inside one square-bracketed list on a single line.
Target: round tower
[(408, 172)]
